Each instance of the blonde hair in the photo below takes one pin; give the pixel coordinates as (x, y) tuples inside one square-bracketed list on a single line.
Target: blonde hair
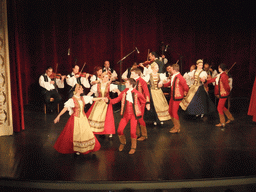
[(153, 65), (77, 86), (199, 61), (105, 73)]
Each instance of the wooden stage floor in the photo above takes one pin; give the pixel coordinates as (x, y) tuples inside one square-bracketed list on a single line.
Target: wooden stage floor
[(201, 155)]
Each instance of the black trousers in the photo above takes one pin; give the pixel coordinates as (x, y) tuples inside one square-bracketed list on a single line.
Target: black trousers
[(52, 94)]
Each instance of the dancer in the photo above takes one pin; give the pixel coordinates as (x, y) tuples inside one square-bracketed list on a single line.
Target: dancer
[(159, 105), (179, 89), (197, 102), (222, 91), (100, 114), (77, 136), (131, 110), (142, 87)]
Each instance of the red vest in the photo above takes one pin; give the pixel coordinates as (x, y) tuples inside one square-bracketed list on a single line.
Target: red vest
[(76, 109)]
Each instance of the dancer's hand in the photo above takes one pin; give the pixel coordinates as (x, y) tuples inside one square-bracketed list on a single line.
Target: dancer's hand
[(148, 106), (57, 119)]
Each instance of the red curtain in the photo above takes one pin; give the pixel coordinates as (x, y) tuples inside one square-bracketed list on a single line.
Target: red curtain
[(41, 33)]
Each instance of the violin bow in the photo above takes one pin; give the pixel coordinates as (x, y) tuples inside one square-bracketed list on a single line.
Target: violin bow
[(148, 54), (231, 67), (177, 61), (83, 67)]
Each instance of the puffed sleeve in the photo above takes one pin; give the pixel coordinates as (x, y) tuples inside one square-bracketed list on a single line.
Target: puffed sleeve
[(88, 99), (69, 104), (113, 87), (203, 74), (162, 76)]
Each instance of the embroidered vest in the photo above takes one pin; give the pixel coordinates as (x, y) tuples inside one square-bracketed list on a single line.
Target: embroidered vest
[(136, 105), (154, 82), (106, 92), (76, 109)]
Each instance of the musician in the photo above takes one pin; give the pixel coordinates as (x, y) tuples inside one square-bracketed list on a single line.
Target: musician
[(75, 78), (96, 78), (49, 88), (131, 106), (110, 70), (127, 73), (142, 87), (222, 91), (179, 89), (153, 57), (163, 59)]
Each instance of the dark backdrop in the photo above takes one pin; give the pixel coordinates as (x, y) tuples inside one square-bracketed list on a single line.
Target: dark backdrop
[(42, 31)]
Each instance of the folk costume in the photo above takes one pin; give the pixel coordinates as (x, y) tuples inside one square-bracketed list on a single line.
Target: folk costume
[(132, 103), (179, 88), (252, 106), (158, 106), (222, 91), (100, 115), (77, 135), (197, 101), (142, 87)]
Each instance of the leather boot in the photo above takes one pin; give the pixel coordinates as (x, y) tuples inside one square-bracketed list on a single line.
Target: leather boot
[(176, 128), (144, 134), (222, 121), (133, 146), (229, 116), (138, 130), (122, 141)]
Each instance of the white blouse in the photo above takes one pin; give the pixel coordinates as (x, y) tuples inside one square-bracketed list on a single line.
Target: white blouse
[(69, 104)]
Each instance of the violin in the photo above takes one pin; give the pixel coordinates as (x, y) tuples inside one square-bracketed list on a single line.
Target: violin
[(146, 63), (83, 74), (56, 76)]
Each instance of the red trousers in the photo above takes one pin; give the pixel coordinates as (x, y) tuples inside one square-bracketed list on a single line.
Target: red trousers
[(141, 120), (173, 108), (221, 106), (124, 121)]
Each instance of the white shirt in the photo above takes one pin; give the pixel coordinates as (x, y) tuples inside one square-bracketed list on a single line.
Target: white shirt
[(94, 89), (129, 95), (69, 104), (72, 81), (173, 76), (93, 78), (47, 85)]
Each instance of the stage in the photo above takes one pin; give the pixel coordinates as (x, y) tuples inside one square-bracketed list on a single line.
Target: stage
[(201, 156)]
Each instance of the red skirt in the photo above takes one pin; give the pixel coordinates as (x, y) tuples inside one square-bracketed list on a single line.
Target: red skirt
[(252, 106), (64, 143)]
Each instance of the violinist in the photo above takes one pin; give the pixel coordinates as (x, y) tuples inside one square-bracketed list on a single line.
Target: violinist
[(153, 57), (49, 88), (76, 78), (96, 78), (127, 73), (112, 72)]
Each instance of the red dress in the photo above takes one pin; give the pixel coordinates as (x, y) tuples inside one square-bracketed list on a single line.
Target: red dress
[(77, 135), (100, 115), (252, 106)]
